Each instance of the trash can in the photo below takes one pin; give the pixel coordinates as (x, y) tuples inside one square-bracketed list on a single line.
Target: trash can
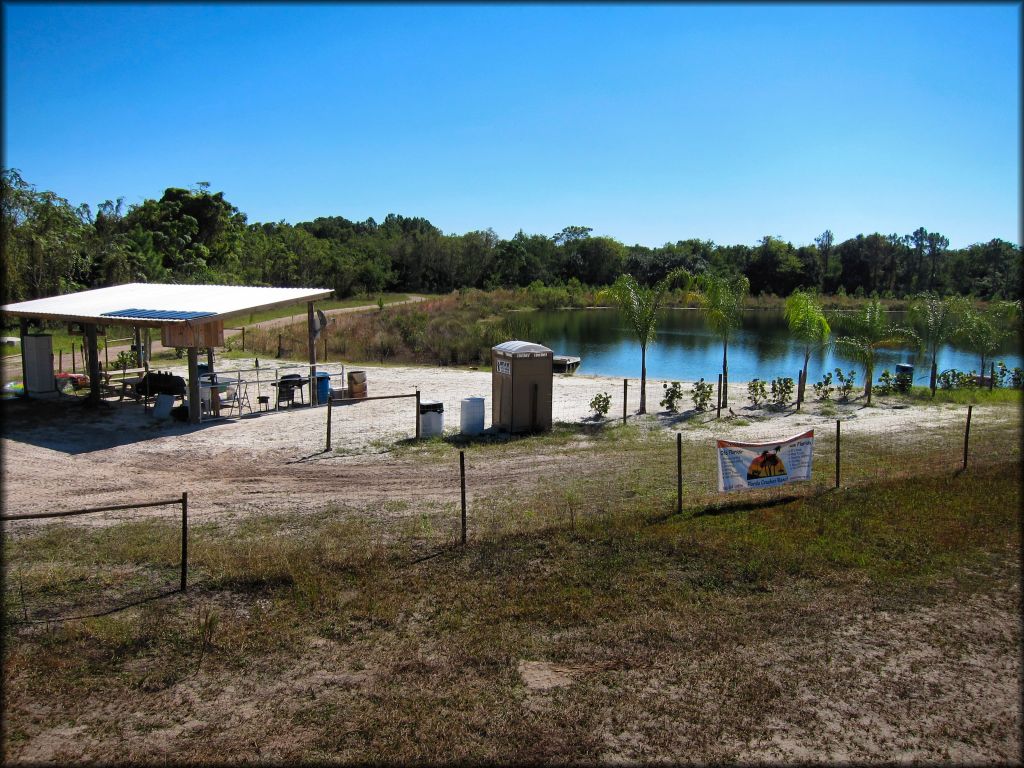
[(904, 377), (472, 416), (323, 387), (431, 418)]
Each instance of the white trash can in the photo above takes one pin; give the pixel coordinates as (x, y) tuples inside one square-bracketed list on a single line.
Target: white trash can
[(431, 418), (472, 416)]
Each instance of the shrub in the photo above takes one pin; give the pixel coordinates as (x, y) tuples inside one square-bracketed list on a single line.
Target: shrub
[(886, 383), (846, 383), (701, 395), (954, 379), (601, 404), (1017, 378), (823, 389), (757, 391), (126, 360), (673, 394), (782, 391)]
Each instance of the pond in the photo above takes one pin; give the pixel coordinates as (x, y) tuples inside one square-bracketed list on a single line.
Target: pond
[(686, 350)]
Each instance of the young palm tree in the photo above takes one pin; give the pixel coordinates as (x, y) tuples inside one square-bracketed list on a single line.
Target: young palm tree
[(640, 305), (937, 322), (808, 324), (868, 331), (985, 332), (721, 303)]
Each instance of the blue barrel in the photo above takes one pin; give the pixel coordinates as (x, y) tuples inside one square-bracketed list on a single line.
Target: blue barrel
[(904, 377), (323, 387)]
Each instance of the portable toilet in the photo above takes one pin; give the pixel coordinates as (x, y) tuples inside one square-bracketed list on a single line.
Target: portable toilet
[(521, 378)]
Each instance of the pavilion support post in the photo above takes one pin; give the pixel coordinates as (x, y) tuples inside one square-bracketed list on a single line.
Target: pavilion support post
[(140, 353), (149, 347), (23, 326), (94, 363), (194, 409), (312, 353)]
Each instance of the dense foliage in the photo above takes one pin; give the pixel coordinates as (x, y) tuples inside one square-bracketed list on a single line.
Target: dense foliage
[(194, 235)]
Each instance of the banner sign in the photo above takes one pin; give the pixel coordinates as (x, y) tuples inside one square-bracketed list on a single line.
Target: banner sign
[(759, 465)]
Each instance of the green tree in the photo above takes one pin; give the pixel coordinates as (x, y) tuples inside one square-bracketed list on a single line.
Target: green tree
[(985, 332), (809, 326), (721, 304), (867, 331), (936, 320), (640, 304)]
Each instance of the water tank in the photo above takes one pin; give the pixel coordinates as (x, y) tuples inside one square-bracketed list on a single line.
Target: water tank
[(472, 416)]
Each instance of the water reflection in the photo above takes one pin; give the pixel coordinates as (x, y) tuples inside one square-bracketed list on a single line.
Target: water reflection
[(686, 349)]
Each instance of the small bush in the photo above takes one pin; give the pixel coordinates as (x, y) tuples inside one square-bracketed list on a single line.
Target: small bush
[(823, 389), (846, 383), (757, 391), (701, 394), (126, 360), (601, 404), (954, 379), (673, 394), (782, 391), (886, 383)]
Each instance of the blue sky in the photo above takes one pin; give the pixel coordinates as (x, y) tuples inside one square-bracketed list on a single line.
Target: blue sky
[(648, 123)]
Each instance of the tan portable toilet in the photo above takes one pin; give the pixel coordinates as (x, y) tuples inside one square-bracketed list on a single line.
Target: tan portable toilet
[(521, 379)]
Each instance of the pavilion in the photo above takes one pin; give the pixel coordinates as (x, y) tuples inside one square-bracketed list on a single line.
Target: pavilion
[(190, 316)]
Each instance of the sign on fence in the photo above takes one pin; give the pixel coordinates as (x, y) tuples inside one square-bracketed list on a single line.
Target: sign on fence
[(759, 465)]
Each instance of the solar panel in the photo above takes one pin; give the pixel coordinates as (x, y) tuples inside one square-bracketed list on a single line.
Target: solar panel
[(157, 314)]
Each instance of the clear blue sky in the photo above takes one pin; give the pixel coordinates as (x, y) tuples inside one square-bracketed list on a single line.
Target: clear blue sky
[(649, 123)]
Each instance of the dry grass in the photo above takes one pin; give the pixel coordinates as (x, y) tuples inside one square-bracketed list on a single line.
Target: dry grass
[(584, 622)]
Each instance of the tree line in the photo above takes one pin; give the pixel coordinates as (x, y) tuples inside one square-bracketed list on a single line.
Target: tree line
[(194, 235)]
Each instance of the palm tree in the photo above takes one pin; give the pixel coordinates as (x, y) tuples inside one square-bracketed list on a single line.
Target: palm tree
[(808, 324), (640, 305), (721, 303), (868, 331), (937, 321), (985, 332)]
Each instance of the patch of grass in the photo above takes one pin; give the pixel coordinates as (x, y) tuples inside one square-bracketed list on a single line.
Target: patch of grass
[(999, 395)]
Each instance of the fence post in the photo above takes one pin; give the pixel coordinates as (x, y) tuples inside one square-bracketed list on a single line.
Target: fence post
[(625, 393), (719, 406), (184, 541), (992, 378), (967, 434), (462, 481), (106, 356), (329, 409), (799, 388), (838, 437), (73, 368), (243, 338), (417, 414), (279, 350), (679, 473), (60, 358)]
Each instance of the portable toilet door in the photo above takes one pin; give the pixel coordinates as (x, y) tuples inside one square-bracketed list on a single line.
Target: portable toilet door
[(521, 383)]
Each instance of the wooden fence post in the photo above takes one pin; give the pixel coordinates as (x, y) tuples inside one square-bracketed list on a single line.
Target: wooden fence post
[(719, 406), (243, 338), (625, 394), (679, 473), (992, 378), (838, 435), (417, 414), (967, 434), (184, 541), (462, 481), (329, 409), (73, 368), (60, 359), (799, 388)]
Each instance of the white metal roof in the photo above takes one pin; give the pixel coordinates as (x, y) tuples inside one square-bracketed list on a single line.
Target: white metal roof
[(216, 302), (520, 348)]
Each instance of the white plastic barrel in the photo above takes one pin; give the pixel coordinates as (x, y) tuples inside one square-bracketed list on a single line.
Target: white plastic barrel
[(472, 415), (431, 418)]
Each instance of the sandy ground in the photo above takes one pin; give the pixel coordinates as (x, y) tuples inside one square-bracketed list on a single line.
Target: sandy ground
[(61, 454)]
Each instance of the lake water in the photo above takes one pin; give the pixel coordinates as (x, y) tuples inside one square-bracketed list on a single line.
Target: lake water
[(685, 350)]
